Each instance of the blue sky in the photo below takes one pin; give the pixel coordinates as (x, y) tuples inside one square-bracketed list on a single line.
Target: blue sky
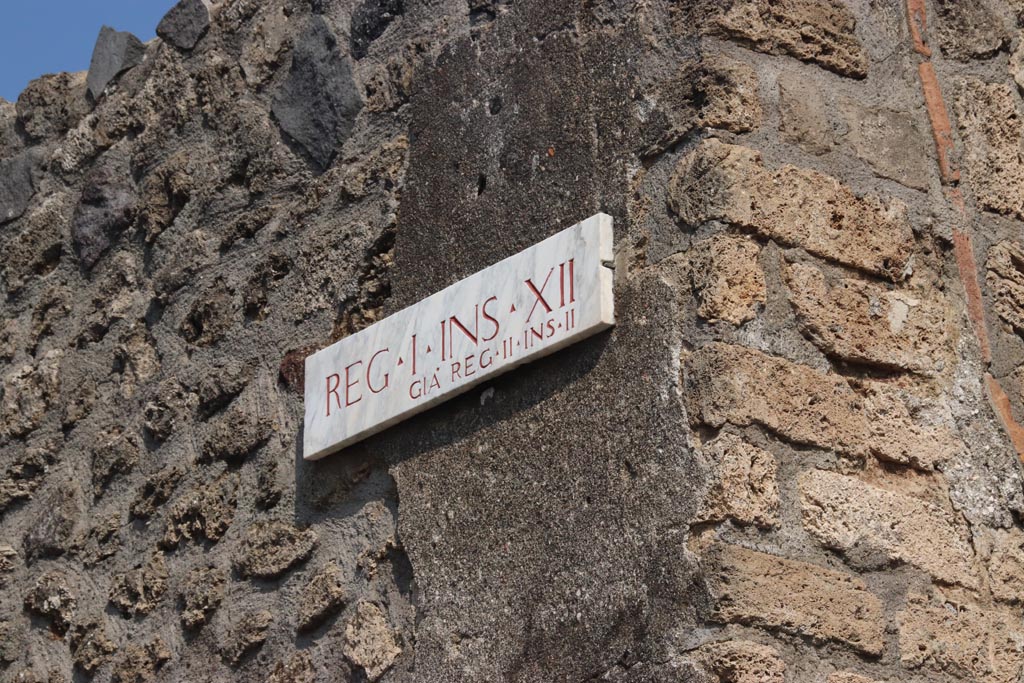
[(45, 36)]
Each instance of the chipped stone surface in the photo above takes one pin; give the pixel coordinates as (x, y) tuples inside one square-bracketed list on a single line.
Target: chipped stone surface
[(28, 392), (323, 597), (369, 642), (729, 281), (744, 485), (202, 514), (248, 635), (797, 207), (758, 589), (271, 548), (847, 514), (91, 647), (819, 32), (140, 664), (990, 125), (806, 406), (52, 598), (201, 595), (946, 635), (1006, 566), (139, 591), (1005, 280), (861, 322), (742, 661)]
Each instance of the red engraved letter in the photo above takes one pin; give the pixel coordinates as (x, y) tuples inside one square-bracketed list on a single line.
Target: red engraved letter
[(349, 384), (369, 372), (494, 321), (333, 390), (539, 294)]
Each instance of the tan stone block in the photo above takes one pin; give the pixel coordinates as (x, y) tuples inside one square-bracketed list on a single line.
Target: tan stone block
[(727, 384), (370, 642), (862, 322), (757, 589), (729, 94), (803, 114), (742, 661), (1005, 280), (728, 280), (993, 145), (794, 206), (959, 638), (818, 31), (844, 513), (1006, 566), (744, 487), (893, 143)]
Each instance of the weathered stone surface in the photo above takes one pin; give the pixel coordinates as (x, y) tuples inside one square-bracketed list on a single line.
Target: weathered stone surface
[(1006, 566), (758, 589), (117, 453), (961, 639), (139, 591), (806, 406), (797, 207), (248, 635), (847, 514), (201, 595), (8, 558), (156, 491), (202, 514), (715, 92), (271, 548), (54, 525), (114, 53), (91, 648), (804, 114), (140, 664), (185, 24), (36, 251), (101, 540), (969, 30), (316, 105), (296, 669), (741, 661), (105, 211), (727, 278), (238, 432), (11, 645), (370, 642), (370, 19), (25, 474), (993, 145), (861, 322), (210, 316), (53, 599), (52, 105), (28, 392), (894, 143), (323, 597), (849, 677), (744, 485), (818, 32), (1005, 279), (17, 183)]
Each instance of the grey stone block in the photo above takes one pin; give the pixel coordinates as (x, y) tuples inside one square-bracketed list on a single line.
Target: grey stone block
[(17, 184), (185, 24), (115, 52), (317, 103)]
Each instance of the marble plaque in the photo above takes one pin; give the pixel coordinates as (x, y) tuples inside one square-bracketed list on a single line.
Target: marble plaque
[(542, 299)]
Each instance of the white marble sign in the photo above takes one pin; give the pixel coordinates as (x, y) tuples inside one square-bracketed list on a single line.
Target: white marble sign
[(542, 299)]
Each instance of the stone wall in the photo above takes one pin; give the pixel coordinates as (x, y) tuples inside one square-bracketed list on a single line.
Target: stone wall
[(796, 458)]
